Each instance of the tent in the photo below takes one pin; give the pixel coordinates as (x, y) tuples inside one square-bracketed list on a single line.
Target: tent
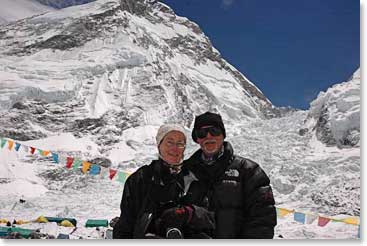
[(96, 223), (59, 220), (4, 231)]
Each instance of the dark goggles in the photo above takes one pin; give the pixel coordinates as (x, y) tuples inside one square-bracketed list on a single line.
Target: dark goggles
[(203, 132)]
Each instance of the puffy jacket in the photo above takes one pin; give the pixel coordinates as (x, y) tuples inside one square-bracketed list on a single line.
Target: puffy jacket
[(150, 190), (239, 193)]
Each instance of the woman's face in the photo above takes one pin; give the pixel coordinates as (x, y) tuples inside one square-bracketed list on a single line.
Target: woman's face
[(172, 147)]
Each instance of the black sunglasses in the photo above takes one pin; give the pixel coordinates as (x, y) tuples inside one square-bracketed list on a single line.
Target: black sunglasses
[(214, 131)]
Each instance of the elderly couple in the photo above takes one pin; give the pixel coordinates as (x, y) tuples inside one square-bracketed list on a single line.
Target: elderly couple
[(213, 194)]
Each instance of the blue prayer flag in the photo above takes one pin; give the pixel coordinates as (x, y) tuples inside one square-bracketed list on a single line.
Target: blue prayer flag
[(17, 146), (55, 157), (300, 217), (95, 169)]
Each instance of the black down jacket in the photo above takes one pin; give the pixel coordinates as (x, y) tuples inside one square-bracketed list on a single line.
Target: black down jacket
[(239, 193), (152, 189)]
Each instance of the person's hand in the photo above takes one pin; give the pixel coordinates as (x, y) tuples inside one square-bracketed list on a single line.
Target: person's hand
[(175, 217)]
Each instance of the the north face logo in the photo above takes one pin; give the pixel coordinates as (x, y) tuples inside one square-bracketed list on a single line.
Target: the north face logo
[(232, 173)]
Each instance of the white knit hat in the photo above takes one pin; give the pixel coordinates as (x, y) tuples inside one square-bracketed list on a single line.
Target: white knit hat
[(166, 128)]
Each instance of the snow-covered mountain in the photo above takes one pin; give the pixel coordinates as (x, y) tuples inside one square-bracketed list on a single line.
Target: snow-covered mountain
[(108, 68), (12, 10), (334, 115), (95, 81)]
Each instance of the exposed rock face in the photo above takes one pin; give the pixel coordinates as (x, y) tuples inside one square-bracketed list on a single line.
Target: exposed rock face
[(323, 128)]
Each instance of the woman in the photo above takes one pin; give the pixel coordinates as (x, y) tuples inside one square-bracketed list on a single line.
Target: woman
[(160, 199)]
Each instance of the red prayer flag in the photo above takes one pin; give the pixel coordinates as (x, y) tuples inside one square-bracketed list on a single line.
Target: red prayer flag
[(323, 221), (69, 162), (32, 150), (112, 173)]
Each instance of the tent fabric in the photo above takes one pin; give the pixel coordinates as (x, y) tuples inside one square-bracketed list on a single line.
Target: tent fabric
[(59, 220), (42, 219), (3, 221), (96, 223), (63, 236), (4, 231), (21, 222), (66, 223)]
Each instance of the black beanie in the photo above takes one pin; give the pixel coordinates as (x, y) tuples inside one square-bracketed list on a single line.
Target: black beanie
[(208, 119)]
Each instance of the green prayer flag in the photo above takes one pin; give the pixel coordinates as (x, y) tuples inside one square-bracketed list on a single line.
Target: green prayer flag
[(3, 142), (76, 164), (121, 177)]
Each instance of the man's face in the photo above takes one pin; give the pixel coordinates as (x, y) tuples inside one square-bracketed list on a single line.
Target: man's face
[(172, 147), (210, 139)]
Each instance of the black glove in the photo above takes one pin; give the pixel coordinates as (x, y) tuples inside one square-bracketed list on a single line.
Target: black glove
[(175, 217)]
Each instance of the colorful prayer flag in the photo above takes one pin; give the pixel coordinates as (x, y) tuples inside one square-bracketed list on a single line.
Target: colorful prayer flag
[(62, 159), (32, 150), (55, 157), (104, 172), (17, 146), (112, 173), (25, 148), (86, 166), (10, 144), (95, 169), (3, 142), (121, 177), (45, 153), (281, 212), (300, 217), (310, 218), (351, 220), (323, 221), (69, 162), (76, 164), (40, 151)]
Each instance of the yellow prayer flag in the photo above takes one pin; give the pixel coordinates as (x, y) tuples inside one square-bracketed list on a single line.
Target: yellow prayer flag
[(11, 143), (86, 166), (351, 220), (283, 212)]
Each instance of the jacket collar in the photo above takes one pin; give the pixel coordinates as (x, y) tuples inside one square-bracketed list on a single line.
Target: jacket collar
[(211, 172), (161, 173)]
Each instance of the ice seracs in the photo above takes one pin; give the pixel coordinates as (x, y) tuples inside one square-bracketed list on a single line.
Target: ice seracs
[(334, 116)]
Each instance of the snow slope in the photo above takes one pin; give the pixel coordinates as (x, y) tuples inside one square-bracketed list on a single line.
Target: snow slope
[(334, 115), (12, 10), (305, 174)]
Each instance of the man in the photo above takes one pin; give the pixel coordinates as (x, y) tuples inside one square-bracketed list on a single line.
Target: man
[(238, 190)]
